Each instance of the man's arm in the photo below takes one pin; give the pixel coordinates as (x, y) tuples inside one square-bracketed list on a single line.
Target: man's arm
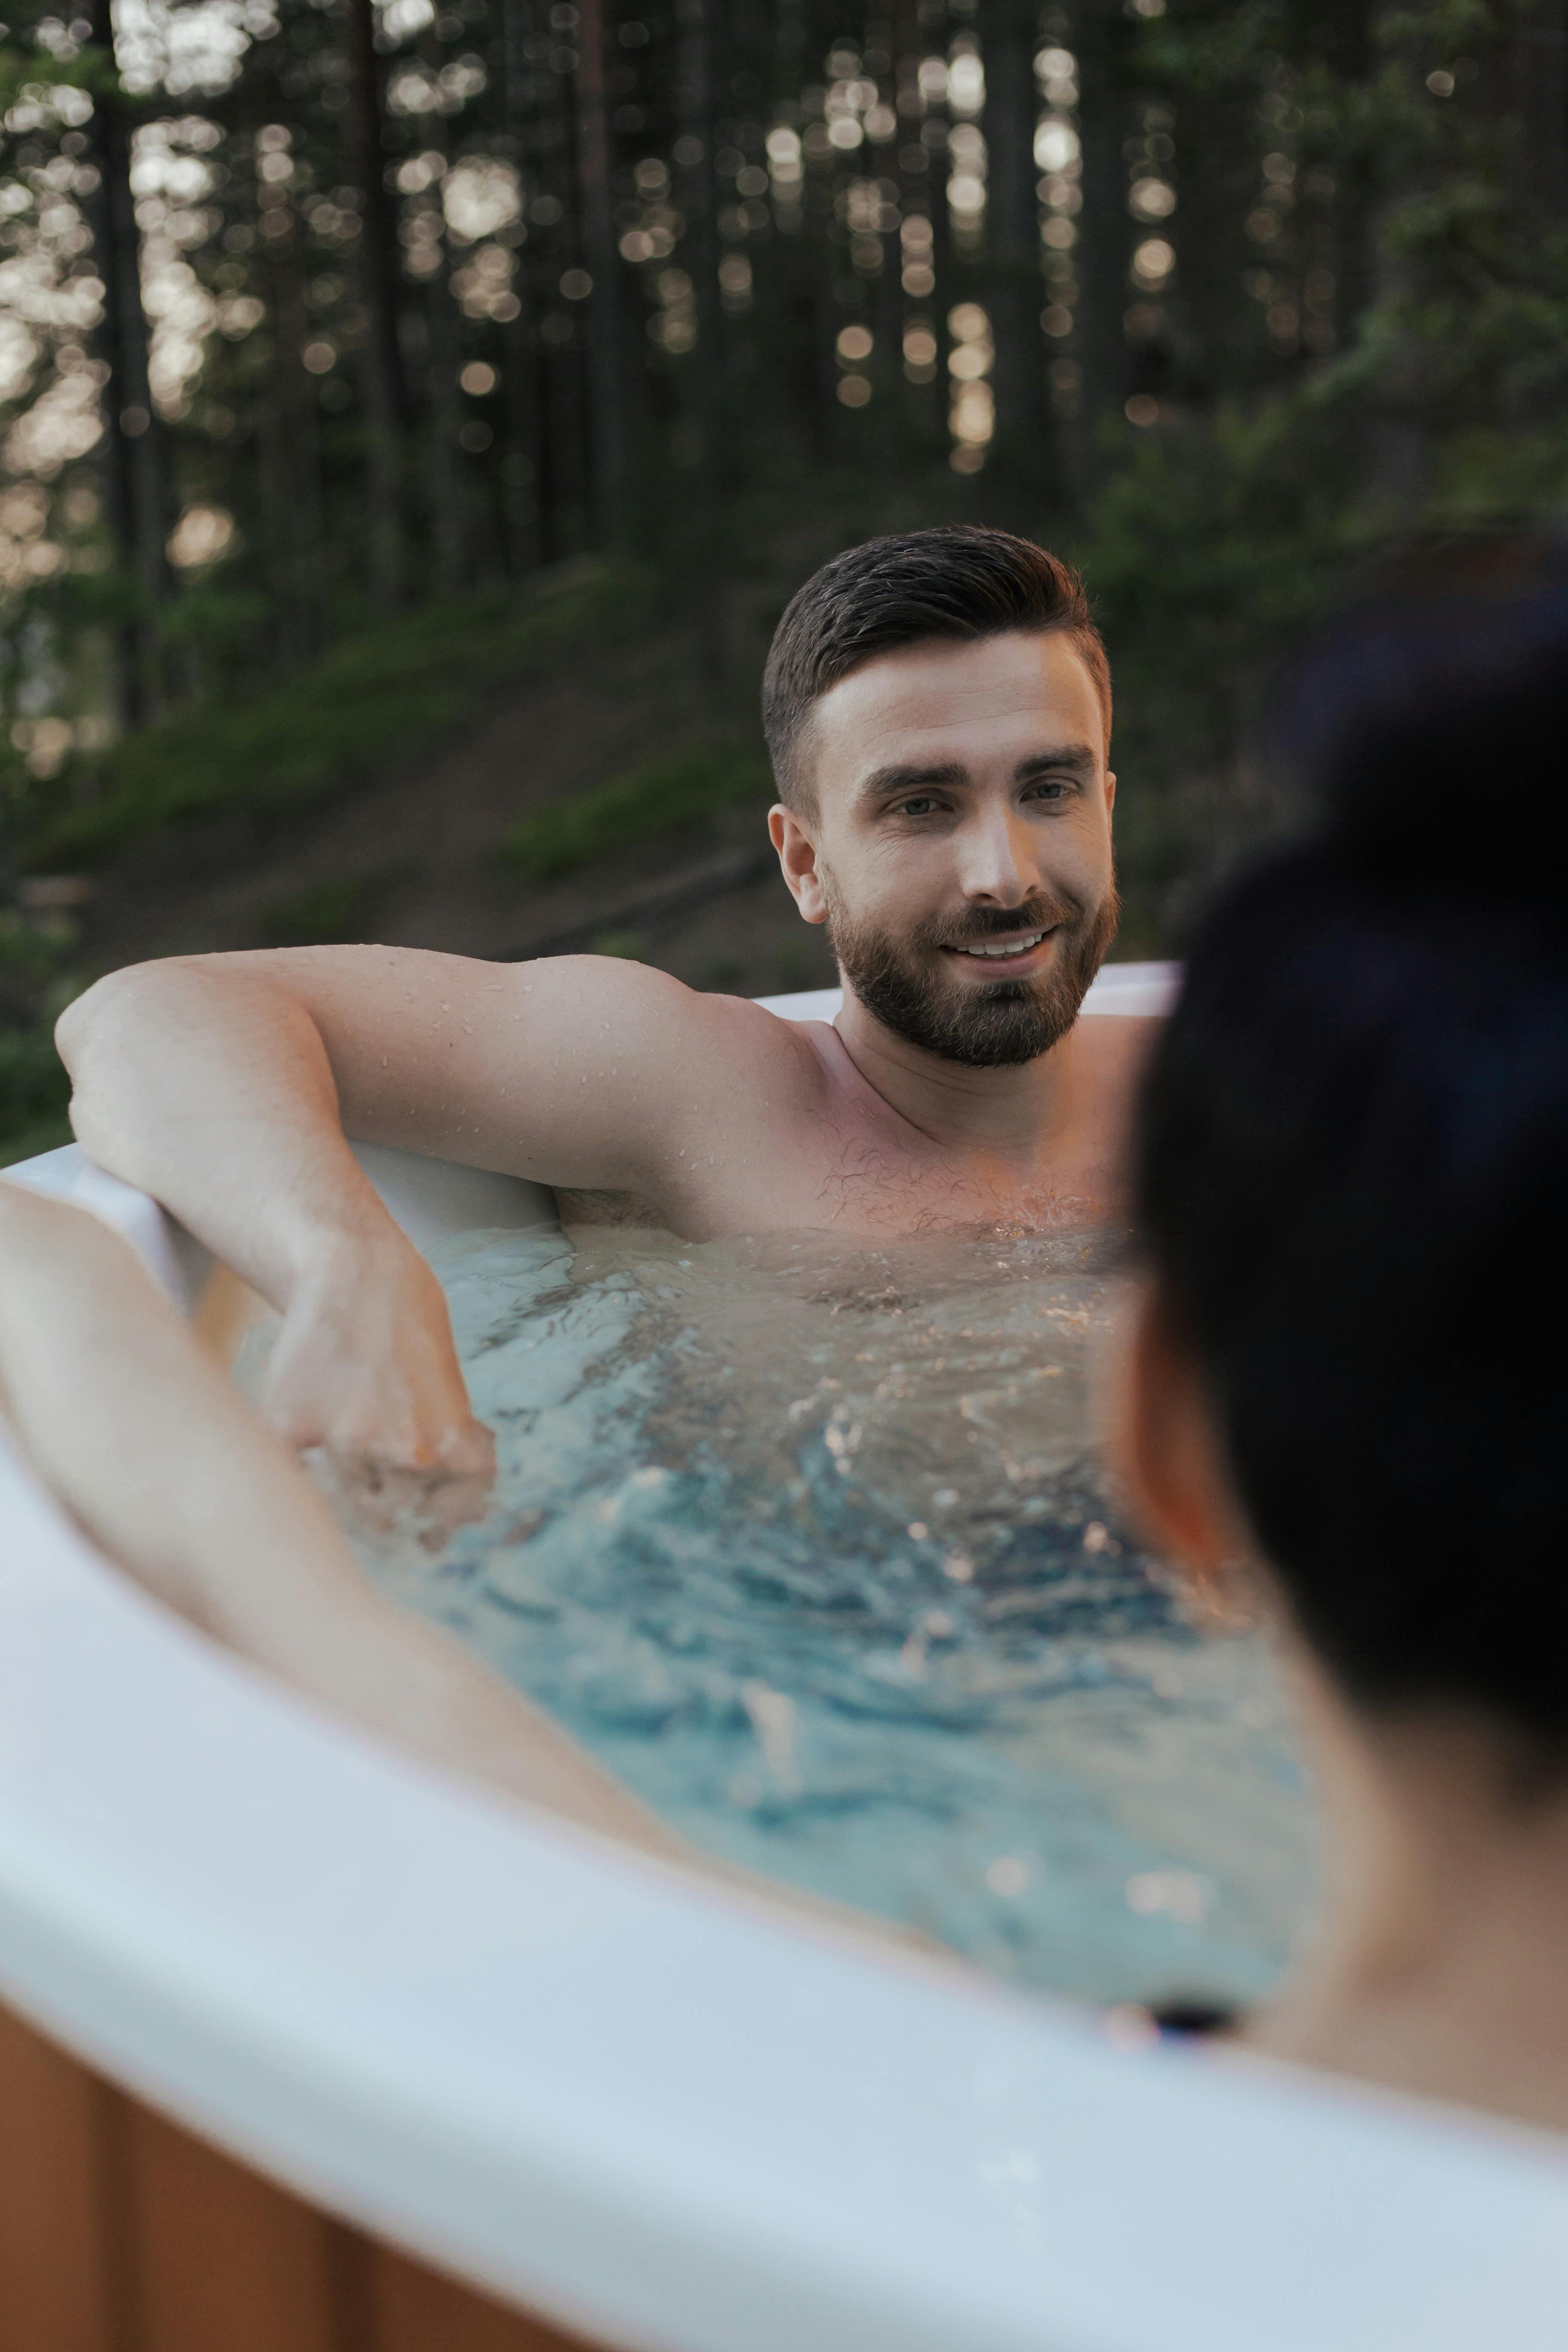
[(166, 1467), (223, 1086)]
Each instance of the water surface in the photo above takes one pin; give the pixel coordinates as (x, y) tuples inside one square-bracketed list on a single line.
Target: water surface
[(805, 1541)]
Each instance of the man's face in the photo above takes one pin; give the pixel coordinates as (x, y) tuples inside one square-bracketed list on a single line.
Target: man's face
[(961, 850)]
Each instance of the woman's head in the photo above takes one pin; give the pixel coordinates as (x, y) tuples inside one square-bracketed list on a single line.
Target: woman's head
[(1351, 1170)]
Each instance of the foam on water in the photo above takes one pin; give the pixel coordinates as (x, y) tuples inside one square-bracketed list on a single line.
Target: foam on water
[(805, 1539)]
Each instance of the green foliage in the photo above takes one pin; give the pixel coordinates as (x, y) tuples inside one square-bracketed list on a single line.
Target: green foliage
[(630, 944), (34, 1092), (1362, 331), (33, 1088), (377, 695), (1212, 552), (35, 73), (327, 912), (1212, 543), (650, 800), (1207, 550)]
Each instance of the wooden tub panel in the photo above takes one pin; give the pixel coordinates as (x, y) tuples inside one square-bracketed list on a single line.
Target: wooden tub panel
[(121, 2231), (56, 2264)]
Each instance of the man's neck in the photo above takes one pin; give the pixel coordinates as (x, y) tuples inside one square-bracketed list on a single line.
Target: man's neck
[(1020, 1110)]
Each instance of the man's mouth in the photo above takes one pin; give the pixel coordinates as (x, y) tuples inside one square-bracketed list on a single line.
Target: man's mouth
[(1012, 951)]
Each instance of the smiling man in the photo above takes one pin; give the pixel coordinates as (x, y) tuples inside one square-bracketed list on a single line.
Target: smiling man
[(938, 710)]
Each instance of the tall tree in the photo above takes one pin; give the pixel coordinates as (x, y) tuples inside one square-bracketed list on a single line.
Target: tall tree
[(599, 249), (1107, 122), (381, 361), (526, 465), (697, 185), (446, 488), (133, 456), (1024, 436)]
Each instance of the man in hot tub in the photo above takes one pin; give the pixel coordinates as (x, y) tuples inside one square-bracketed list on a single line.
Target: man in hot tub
[(938, 711)]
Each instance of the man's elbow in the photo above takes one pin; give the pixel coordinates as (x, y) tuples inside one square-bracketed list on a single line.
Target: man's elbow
[(100, 1008), (84, 1018), (77, 1022)]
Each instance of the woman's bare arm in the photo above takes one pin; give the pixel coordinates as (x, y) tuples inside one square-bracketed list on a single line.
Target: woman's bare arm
[(166, 1467), (160, 1460)]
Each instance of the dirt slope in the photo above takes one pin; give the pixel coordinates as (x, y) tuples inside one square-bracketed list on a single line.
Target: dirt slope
[(413, 857)]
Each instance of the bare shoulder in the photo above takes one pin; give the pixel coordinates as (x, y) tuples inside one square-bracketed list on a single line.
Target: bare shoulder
[(713, 1098), (632, 1009), (588, 1072)]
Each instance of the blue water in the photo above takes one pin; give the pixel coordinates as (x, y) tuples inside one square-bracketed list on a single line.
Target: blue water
[(805, 1541)]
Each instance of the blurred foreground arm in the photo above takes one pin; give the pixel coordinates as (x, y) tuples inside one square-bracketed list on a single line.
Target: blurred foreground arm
[(160, 1461)]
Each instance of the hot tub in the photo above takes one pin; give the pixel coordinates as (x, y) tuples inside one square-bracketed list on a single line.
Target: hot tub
[(615, 2095)]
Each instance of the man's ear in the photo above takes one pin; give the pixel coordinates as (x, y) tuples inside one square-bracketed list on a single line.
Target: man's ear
[(1163, 1446), (797, 860), (1109, 791)]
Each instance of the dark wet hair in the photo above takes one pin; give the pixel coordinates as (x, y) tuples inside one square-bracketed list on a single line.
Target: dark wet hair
[(1351, 1159), (954, 581)]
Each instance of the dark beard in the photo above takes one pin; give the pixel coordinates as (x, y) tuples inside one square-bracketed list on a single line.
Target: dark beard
[(1012, 1020)]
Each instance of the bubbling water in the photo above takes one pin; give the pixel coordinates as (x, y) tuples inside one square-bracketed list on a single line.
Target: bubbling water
[(806, 1541)]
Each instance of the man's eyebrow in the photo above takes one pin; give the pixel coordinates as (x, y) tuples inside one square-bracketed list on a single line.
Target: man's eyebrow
[(1081, 756), (910, 778)]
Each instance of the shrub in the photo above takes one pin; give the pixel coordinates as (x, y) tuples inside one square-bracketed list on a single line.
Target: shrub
[(373, 697), (640, 806)]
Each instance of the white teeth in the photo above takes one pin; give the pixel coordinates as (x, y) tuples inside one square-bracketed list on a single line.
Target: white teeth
[(1013, 948)]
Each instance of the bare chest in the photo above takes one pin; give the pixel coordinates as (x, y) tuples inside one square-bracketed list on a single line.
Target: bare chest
[(839, 1177)]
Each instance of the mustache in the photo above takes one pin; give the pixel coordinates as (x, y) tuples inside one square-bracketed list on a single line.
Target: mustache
[(982, 923)]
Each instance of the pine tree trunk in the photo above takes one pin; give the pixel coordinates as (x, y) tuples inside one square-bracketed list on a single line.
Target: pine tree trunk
[(556, 375), (1537, 69), (292, 461), (385, 400), (1397, 443), (447, 486), (1103, 251), (1024, 433), (598, 226), (1217, 174), (526, 465), (699, 204), (133, 446)]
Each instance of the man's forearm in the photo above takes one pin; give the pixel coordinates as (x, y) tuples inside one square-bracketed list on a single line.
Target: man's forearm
[(213, 1091)]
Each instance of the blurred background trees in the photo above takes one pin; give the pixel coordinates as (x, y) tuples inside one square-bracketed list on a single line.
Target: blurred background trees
[(414, 414)]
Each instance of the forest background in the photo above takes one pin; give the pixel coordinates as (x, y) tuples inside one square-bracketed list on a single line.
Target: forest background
[(414, 414)]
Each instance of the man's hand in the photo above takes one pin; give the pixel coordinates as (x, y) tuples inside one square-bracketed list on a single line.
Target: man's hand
[(365, 1369), (211, 1087)]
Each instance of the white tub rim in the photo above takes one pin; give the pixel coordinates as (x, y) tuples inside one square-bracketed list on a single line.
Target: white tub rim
[(596, 2086)]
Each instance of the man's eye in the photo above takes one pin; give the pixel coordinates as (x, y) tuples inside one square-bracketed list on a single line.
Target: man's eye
[(921, 805), (1049, 788)]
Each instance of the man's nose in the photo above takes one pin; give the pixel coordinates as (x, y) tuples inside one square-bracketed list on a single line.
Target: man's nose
[(997, 856)]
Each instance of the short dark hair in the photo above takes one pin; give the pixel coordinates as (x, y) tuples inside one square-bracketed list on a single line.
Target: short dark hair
[(957, 581), (1352, 1157)]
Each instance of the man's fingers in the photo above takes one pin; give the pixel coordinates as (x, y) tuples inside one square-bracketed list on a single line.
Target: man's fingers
[(470, 1452), (449, 1504), (387, 1498)]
